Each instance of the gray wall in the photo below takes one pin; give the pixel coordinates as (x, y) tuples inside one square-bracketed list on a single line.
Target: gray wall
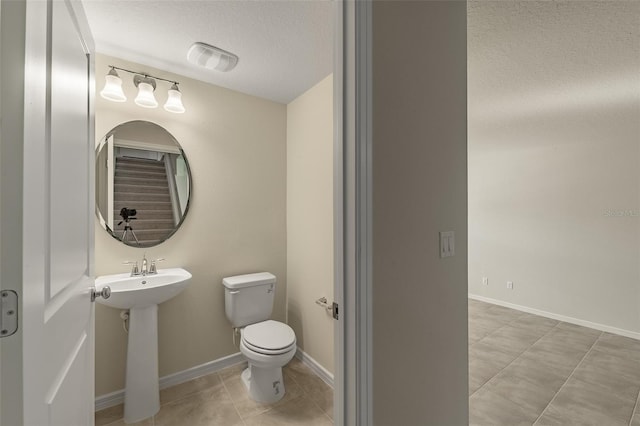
[(419, 188), (12, 56), (554, 158)]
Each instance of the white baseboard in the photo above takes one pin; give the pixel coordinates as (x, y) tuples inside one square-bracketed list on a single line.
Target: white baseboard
[(117, 397), (315, 366), (109, 400), (584, 323)]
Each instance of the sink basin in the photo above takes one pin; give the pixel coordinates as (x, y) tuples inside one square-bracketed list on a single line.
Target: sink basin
[(141, 296), (141, 291)]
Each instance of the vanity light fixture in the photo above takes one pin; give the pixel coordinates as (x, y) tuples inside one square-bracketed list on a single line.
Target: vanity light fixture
[(174, 101), (113, 87), (146, 85)]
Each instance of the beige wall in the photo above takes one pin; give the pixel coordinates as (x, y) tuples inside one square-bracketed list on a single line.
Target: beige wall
[(554, 157), (236, 148), (310, 219), (419, 188)]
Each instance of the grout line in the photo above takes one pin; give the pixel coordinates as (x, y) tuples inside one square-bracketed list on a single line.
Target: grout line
[(308, 396), (570, 376), (517, 357), (499, 328), (233, 402), (292, 378), (328, 417), (636, 409), (319, 407)]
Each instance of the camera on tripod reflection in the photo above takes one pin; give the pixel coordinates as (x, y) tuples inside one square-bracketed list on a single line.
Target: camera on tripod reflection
[(127, 214)]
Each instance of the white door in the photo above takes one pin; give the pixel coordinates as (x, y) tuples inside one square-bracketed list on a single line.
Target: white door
[(57, 218)]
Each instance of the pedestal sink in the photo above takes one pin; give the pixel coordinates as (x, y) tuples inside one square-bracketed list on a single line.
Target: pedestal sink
[(141, 295)]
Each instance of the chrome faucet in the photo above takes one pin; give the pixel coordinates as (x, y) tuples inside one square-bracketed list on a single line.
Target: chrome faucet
[(148, 266), (144, 270)]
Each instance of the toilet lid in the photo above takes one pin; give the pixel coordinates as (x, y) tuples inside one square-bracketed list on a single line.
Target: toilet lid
[(269, 335)]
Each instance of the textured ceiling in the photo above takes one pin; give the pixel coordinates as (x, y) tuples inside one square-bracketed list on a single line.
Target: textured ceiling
[(285, 47), (542, 57)]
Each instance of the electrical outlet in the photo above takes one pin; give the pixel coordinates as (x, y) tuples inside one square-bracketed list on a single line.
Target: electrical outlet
[(510, 285), (485, 280)]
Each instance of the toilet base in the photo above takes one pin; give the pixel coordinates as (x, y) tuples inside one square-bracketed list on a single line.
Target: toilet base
[(264, 385)]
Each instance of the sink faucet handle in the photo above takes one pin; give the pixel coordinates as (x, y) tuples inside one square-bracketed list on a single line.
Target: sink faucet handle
[(134, 268), (152, 268)]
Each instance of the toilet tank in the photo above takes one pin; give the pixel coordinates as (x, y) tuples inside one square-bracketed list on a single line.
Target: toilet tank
[(248, 299)]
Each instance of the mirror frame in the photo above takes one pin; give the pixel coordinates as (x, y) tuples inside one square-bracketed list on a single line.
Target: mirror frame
[(103, 223)]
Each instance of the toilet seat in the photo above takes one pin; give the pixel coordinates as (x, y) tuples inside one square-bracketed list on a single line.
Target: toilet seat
[(263, 351), (269, 337)]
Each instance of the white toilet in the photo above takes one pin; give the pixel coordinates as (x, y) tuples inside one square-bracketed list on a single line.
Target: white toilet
[(268, 345)]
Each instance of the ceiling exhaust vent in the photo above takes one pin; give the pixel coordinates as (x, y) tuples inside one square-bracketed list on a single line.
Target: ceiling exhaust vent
[(211, 57)]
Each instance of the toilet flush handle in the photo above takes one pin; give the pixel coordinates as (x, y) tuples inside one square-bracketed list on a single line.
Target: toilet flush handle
[(234, 292)]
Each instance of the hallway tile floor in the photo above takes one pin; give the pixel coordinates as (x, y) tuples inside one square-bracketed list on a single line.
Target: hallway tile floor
[(529, 370), (220, 399)]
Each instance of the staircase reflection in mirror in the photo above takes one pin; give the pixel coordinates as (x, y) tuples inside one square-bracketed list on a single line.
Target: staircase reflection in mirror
[(143, 184)]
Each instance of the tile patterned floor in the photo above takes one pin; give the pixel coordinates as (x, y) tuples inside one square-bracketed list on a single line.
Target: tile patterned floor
[(529, 370), (523, 370), (220, 399)]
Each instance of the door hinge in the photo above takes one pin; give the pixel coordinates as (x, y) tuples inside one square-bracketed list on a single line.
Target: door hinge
[(8, 313), (334, 310)]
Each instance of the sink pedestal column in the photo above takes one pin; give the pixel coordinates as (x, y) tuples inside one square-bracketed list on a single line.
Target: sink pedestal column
[(142, 393)]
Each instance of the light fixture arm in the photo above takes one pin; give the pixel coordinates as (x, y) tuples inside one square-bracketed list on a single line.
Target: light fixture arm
[(142, 75), (139, 78), (146, 84)]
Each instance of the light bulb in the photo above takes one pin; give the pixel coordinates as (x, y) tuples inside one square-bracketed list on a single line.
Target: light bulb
[(145, 96), (174, 101), (113, 87)]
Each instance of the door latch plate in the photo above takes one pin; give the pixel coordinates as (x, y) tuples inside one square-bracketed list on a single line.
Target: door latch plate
[(336, 314), (8, 313)]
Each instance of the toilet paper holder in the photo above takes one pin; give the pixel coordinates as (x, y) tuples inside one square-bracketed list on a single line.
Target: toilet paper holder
[(324, 303)]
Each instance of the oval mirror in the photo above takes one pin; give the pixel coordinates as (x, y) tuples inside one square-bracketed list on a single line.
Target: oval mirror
[(143, 184)]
